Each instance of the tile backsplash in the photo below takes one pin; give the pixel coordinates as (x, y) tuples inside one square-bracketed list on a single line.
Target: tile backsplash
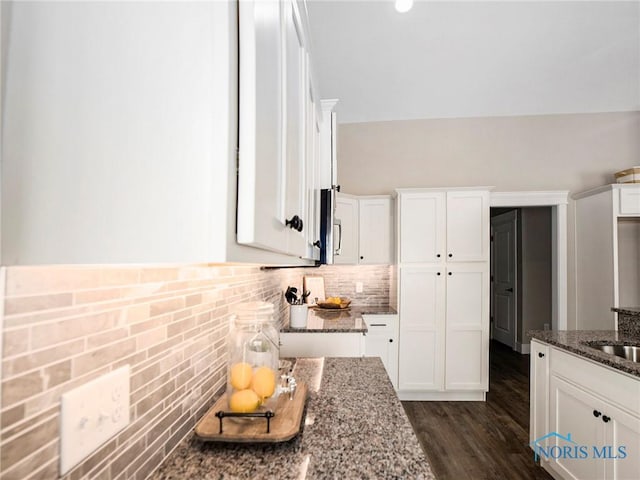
[(65, 325)]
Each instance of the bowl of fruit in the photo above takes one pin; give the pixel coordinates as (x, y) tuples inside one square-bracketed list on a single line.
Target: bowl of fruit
[(335, 303)]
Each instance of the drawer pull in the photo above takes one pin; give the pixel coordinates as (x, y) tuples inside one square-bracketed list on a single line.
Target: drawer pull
[(540, 354), (596, 413), (606, 419), (378, 324)]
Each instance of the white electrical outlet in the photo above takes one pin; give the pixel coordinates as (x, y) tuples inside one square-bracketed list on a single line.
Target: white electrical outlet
[(91, 414), (359, 287)]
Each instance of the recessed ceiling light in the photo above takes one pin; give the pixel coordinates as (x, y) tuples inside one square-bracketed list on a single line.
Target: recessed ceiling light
[(404, 5)]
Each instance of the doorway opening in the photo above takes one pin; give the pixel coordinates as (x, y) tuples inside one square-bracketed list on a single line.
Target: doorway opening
[(521, 294)]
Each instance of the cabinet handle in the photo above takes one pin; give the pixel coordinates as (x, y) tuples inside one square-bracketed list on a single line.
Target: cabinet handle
[(540, 354), (316, 243), (450, 273), (450, 255), (295, 223), (438, 255), (361, 257), (391, 340), (438, 273), (596, 413), (606, 419)]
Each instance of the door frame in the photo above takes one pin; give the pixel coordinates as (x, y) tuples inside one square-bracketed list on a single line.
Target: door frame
[(557, 200)]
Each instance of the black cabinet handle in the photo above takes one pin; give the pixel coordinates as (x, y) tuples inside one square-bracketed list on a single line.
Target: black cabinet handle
[(391, 340), (509, 289), (438, 273), (596, 413), (316, 243), (361, 257), (540, 354), (606, 419), (295, 223), (450, 273), (450, 255), (438, 255)]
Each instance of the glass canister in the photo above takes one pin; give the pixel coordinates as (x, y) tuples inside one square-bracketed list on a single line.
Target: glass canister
[(254, 354)]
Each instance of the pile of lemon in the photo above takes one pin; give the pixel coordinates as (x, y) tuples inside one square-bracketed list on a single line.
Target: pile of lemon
[(251, 387), (336, 300)]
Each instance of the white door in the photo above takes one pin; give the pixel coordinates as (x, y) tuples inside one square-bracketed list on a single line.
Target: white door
[(467, 226), (503, 288), (261, 193), (422, 330), (467, 331), (422, 227), (346, 242), (375, 230)]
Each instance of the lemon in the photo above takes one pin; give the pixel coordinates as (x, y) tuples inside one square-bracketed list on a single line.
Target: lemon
[(264, 382), (244, 401), (241, 376)]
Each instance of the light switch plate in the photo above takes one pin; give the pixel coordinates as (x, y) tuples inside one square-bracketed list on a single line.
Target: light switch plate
[(92, 414), (359, 287)]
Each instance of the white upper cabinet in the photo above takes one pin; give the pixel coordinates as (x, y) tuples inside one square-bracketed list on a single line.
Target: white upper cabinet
[(438, 226), (130, 151), (366, 229), (347, 235)]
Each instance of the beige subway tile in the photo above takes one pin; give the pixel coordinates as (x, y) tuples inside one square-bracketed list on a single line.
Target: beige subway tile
[(32, 463), (57, 332), (154, 398), (165, 306), (17, 428), (177, 328), (150, 463), (30, 441), (33, 303), (164, 346), (102, 356), (98, 460), (153, 323), (99, 295), (138, 379), (19, 388), (41, 358), (47, 279), (152, 337), (15, 342), (57, 374), (123, 460), (137, 313), (131, 360), (100, 339), (158, 274), (119, 275), (191, 300), (11, 416)]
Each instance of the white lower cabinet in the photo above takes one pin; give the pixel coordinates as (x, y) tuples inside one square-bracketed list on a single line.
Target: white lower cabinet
[(321, 344), (593, 426), (381, 340), (444, 336)]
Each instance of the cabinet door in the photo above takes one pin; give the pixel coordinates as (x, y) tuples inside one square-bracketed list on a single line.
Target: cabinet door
[(421, 349), (623, 432), (539, 392), (375, 230), (381, 341), (467, 331), (467, 226), (261, 191), (572, 413), (422, 227), (295, 98), (347, 243)]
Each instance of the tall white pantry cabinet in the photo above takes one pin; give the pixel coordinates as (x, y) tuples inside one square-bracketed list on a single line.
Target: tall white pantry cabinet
[(443, 271)]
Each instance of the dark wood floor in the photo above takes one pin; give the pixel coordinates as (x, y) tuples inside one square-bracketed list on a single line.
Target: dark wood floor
[(482, 440)]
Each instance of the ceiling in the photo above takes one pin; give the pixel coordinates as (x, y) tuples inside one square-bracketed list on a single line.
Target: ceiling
[(476, 59)]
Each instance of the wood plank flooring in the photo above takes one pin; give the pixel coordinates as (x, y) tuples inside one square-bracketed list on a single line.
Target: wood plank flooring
[(482, 440)]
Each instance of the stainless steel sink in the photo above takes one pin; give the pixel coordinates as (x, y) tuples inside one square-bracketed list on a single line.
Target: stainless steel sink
[(630, 352)]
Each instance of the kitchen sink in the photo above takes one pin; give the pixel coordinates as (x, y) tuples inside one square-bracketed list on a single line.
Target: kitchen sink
[(630, 352)]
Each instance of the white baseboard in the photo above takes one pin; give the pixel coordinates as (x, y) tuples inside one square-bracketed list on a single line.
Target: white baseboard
[(465, 396), (524, 348)]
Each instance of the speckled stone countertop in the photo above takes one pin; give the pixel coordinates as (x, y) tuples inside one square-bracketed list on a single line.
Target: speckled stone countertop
[(633, 311), (354, 427), (342, 321), (574, 341)]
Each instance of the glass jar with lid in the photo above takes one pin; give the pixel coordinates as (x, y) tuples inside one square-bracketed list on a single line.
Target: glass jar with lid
[(254, 354)]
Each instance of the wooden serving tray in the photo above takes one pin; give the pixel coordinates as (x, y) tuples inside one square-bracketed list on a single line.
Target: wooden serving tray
[(285, 423)]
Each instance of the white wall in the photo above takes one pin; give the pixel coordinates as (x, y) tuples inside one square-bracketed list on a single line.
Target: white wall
[(547, 152)]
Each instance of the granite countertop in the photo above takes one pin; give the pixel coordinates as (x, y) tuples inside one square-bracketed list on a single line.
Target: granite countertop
[(354, 426), (633, 311), (339, 321), (574, 341)]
